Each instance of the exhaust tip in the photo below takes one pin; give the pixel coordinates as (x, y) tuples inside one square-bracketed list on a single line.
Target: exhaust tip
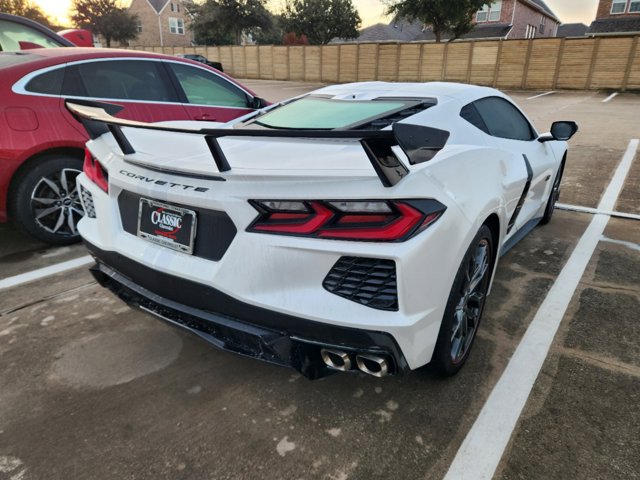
[(336, 359), (373, 365)]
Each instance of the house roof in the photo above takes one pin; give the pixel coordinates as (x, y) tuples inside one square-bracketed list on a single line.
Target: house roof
[(399, 30), (158, 5), (572, 30), (543, 7), (490, 30), (615, 25)]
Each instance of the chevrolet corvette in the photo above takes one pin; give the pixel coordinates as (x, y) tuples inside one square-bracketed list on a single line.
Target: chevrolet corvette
[(356, 228)]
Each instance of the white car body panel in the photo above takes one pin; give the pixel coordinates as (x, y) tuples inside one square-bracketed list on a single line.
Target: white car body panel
[(475, 176)]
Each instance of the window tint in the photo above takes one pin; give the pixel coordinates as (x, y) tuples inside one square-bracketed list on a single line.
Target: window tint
[(118, 79), (471, 115), (205, 88), (324, 113), (49, 82), (502, 119)]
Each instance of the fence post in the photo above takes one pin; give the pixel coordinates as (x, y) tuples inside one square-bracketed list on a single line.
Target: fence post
[(420, 62), (244, 59), (556, 75), (527, 60), (496, 71), (339, 60), (398, 51), (445, 59), (632, 56), (304, 63), (377, 59), (259, 72), (470, 63), (594, 58)]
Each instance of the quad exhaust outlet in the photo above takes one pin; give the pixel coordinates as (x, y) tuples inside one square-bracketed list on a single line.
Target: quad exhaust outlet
[(373, 365), (336, 359), (370, 364)]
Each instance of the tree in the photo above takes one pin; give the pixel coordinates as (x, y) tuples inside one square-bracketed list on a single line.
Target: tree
[(224, 21), (321, 20), (454, 17), (25, 8), (106, 18), (292, 39)]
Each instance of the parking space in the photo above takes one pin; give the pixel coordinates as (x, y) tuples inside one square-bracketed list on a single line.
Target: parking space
[(93, 389)]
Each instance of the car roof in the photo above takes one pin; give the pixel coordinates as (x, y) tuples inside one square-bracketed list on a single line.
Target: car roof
[(49, 57), (81, 53), (440, 91)]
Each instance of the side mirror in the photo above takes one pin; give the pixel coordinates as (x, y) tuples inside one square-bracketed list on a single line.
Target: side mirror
[(561, 131), (258, 103)]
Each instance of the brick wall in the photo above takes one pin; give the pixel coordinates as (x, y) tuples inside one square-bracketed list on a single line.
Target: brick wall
[(153, 24), (526, 15), (507, 11), (604, 10), (149, 20)]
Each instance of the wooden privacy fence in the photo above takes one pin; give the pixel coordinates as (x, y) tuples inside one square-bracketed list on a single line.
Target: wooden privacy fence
[(582, 64)]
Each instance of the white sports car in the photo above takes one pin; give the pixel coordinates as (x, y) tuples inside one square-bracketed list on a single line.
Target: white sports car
[(356, 228)]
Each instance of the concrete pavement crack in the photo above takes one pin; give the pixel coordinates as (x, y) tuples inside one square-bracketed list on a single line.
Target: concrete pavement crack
[(45, 299)]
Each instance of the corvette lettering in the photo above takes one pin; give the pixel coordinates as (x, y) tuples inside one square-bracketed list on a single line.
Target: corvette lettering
[(162, 182)]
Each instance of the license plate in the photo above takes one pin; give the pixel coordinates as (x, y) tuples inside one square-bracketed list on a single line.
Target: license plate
[(167, 225)]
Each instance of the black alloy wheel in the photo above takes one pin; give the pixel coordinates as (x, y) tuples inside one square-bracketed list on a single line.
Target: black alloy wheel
[(465, 306)]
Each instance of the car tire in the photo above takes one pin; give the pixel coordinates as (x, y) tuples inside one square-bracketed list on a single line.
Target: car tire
[(464, 306), (45, 202), (554, 195)]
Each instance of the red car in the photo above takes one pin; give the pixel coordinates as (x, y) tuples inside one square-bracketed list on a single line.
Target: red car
[(42, 145)]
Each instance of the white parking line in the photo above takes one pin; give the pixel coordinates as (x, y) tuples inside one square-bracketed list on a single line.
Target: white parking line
[(610, 97), (44, 272), (541, 95), (595, 211), (484, 445)]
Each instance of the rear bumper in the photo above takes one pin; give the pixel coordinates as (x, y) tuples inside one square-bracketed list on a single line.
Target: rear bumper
[(235, 326)]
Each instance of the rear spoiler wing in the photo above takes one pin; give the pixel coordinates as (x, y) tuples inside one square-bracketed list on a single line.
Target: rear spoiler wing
[(419, 143)]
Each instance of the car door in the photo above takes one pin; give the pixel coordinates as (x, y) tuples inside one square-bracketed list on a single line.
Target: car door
[(209, 96), (141, 86), (510, 130)]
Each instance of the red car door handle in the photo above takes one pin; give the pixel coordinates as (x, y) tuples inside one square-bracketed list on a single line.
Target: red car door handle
[(204, 116)]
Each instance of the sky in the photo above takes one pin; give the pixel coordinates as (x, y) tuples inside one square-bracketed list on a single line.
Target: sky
[(372, 11)]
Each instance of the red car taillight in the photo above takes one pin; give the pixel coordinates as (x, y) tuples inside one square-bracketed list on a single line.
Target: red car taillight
[(379, 221), (95, 171)]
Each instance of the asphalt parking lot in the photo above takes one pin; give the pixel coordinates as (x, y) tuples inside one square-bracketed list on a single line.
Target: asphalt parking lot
[(91, 389)]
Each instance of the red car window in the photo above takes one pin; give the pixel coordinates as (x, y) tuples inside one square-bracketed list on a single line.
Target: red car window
[(136, 80), (202, 87)]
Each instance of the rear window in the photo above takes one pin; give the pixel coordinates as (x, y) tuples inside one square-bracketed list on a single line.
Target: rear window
[(48, 82), (119, 80), (326, 114)]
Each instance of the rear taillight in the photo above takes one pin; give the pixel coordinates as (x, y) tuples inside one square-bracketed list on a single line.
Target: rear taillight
[(95, 171), (379, 221)]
